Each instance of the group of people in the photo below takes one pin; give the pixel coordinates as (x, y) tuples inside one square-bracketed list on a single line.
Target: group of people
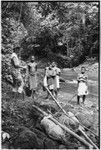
[(30, 74), (51, 78)]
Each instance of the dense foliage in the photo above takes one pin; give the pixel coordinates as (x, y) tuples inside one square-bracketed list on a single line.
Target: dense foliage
[(52, 30)]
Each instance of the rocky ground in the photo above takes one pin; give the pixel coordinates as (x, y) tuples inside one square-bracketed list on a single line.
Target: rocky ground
[(20, 120)]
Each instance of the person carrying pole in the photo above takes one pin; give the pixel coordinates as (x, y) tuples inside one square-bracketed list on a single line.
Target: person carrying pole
[(32, 75), (82, 85), (51, 79)]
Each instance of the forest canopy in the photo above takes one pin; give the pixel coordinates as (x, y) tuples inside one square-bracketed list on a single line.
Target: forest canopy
[(50, 30)]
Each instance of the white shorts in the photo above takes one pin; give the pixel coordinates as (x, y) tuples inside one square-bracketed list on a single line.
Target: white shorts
[(82, 89)]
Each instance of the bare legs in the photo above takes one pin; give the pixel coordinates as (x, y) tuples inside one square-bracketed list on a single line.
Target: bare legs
[(83, 98), (78, 100), (33, 94), (54, 93)]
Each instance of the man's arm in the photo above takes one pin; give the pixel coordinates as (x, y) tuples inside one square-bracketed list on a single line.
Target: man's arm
[(45, 78), (78, 81), (58, 72), (86, 80), (16, 63), (36, 67)]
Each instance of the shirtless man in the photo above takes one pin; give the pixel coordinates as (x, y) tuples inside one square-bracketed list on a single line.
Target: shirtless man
[(32, 75)]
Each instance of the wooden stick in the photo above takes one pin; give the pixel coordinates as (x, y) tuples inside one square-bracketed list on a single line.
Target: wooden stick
[(66, 112), (87, 138), (65, 128), (73, 97), (56, 101)]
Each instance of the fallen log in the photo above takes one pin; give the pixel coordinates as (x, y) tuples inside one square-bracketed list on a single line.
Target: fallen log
[(65, 128)]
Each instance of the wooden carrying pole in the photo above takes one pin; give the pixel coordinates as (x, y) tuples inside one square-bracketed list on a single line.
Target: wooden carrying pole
[(56, 101), (87, 138), (65, 128), (72, 119)]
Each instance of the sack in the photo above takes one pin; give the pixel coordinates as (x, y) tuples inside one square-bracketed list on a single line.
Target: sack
[(72, 124), (28, 91), (53, 130)]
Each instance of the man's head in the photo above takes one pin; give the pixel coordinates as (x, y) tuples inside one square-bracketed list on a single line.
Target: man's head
[(48, 63), (53, 64), (32, 58), (20, 57), (83, 69), (16, 50)]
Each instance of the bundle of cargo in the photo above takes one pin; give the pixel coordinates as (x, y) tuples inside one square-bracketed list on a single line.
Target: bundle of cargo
[(57, 130)]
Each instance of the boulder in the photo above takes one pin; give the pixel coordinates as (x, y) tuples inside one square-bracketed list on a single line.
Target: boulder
[(50, 144), (62, 146), (4, 135), (5, 145), (40, 134), (54, 131), (44, 141), (35, 116), (85, 118), (26, 139)]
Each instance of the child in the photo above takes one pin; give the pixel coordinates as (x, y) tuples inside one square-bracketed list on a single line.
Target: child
[(82, 85)]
